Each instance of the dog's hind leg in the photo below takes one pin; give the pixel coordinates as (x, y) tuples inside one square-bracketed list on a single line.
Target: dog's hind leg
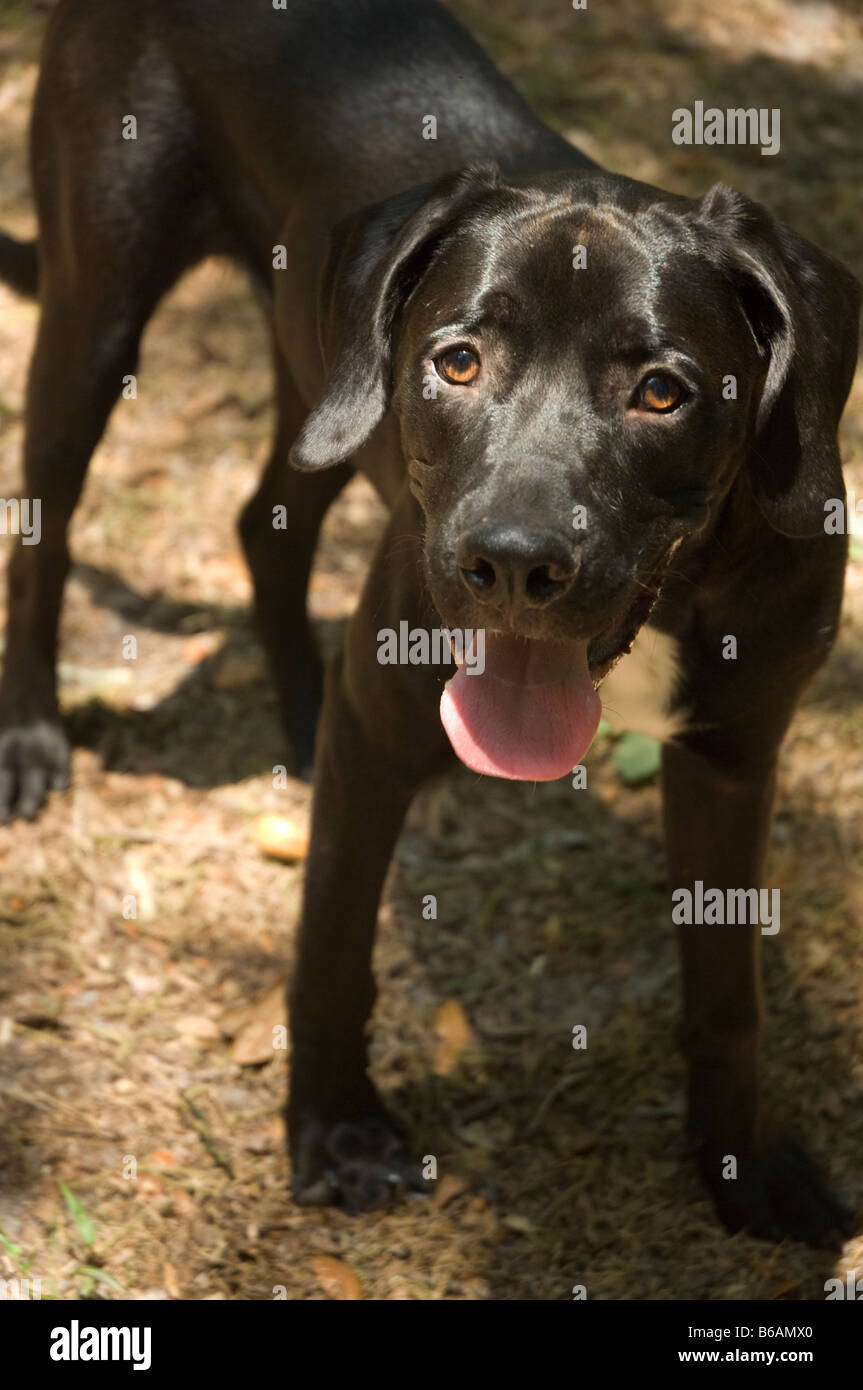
[(115, 231), (279, 529), (87, 341)]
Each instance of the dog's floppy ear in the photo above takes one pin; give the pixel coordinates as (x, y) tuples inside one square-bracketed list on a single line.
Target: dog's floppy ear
[(803, 309), (377, 258)]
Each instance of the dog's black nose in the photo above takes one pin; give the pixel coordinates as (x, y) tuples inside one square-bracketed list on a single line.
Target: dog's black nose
[(508, 566)]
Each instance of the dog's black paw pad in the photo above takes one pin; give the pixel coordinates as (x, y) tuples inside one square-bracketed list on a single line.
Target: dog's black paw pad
[(356, 1164), (780, 1194), (34, 759)]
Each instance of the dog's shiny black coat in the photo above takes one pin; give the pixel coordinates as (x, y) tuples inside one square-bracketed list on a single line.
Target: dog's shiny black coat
[(258, 127)]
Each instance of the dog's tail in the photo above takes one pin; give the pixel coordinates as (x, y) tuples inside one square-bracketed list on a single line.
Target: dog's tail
[(19, 265)]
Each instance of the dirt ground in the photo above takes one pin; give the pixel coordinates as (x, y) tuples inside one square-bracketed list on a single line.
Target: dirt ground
[(124, 1044)]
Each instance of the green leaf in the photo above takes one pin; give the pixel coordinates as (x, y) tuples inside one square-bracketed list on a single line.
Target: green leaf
[(603, 729), (855, 548), (10, 1247), (101, 1276), (637, 757), (86, 1230)]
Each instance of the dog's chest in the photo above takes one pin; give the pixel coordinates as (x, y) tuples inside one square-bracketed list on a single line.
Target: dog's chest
[(638, 693)]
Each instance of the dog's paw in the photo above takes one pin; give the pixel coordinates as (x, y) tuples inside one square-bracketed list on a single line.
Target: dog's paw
[(357, 1164), (780, 1193), (34, 759)]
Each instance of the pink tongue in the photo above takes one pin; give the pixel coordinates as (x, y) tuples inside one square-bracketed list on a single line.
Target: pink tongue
[(530, 716)]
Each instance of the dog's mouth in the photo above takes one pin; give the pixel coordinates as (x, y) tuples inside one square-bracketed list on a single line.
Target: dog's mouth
[(531, 712), (605, 650)]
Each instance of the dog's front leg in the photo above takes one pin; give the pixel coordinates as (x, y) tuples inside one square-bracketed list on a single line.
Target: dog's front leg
[(380, 736), (716, 826)]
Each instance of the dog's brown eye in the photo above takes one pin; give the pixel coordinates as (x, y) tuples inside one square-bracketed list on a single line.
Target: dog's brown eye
[(459, 366), (660, 393)]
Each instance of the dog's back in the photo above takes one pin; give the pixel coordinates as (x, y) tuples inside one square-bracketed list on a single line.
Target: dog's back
[(247, 116)]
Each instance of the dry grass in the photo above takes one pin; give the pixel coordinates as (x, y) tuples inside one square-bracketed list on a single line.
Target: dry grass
[(112, 1036)]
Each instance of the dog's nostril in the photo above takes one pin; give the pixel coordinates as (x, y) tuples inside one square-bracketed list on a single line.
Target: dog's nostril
[(511, 566), (545, 581), (479, 576)]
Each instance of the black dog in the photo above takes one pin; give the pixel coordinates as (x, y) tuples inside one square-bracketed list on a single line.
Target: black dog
[(555, 376)]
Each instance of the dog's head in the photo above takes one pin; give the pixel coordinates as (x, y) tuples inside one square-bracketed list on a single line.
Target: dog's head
[(582, 368)]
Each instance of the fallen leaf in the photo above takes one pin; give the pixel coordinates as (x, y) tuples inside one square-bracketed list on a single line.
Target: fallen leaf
[(448, 1188), (236, 671), (148, 1187), (493, 1133), (281, 838), (474, 1289), (197, 1027), (163, 1158), (142, 985), (336, 1278), (454, 1034), (254, 1040), (197, 648), (169, 1279), (779, 1290), (268, 1137), (182, 1204), (140, 885), (522, 1224), (236, 1018)]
